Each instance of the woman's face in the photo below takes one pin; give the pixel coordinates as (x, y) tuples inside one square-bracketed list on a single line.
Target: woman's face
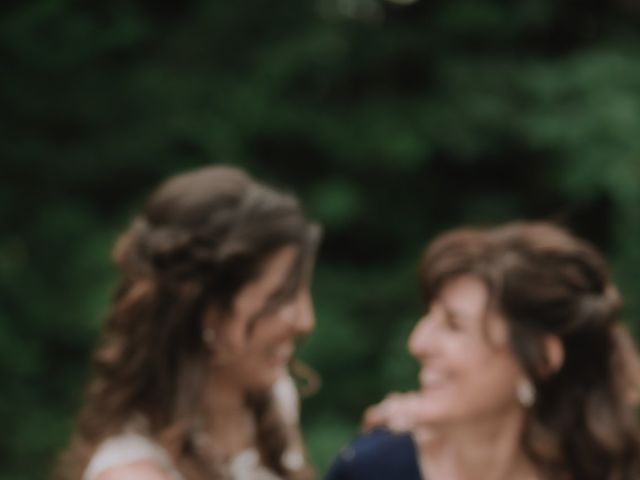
[(467, 371), (260, 348)]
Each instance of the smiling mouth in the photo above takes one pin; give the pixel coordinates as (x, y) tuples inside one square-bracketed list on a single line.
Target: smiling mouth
[(431, 379), (281, 355)]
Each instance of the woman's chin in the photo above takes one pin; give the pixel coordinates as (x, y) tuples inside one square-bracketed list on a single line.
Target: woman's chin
[(436, 410)]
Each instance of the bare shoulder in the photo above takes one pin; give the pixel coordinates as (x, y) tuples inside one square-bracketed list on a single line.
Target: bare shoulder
[(140, 470)]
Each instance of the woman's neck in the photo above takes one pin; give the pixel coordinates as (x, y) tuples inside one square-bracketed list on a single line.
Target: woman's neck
[(230, 423), (487, 449)]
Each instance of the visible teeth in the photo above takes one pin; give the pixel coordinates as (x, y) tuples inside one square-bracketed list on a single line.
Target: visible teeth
[(286, 351), (283, 352), (429, 378)]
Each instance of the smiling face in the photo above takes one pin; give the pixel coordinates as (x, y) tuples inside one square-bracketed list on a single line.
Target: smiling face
[(468, 371), (259, 344)]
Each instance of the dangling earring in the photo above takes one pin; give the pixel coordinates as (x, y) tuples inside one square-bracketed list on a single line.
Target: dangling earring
[(209, 337), (526, 393)]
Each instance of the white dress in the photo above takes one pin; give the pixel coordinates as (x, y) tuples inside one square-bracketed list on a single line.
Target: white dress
[(132, 446)]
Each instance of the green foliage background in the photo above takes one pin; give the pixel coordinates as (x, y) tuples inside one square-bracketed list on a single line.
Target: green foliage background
[(392, 122)]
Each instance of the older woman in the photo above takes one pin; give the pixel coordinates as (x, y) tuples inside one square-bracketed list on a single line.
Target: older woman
[(526, 369), (190, 380)]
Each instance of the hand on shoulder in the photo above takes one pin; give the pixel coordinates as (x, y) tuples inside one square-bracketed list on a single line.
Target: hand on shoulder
[(399, 412), (140, 470)]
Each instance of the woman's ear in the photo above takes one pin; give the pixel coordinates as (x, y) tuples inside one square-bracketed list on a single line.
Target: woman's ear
[(210, 318), (554, 354)]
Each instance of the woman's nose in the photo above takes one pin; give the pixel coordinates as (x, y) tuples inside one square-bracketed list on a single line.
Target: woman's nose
[(303, 321), (299, 314), (422, 338)]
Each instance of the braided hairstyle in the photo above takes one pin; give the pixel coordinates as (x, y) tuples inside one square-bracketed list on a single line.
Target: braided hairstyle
[(201, 237), (544, 281)]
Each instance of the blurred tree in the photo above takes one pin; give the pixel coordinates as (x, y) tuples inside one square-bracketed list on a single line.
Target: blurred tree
[(393, 120)]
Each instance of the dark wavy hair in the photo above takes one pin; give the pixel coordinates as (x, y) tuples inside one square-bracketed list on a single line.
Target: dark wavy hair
[(201, 237), (545, 281)]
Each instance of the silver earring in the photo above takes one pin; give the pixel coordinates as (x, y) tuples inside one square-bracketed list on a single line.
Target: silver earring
[(209, 336), (526, 393)]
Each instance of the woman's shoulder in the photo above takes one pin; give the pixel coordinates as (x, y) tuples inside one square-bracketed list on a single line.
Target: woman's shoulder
[(130, 452), (379, 455)]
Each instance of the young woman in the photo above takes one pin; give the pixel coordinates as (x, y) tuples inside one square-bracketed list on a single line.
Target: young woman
[(527, 371), (190, 379)]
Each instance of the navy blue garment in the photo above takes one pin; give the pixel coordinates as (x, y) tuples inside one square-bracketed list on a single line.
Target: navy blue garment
[(379, 455)]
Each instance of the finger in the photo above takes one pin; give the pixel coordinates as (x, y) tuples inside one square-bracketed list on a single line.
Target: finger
[(373, 417)]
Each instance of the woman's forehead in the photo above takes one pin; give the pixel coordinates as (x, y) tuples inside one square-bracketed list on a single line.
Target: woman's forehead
[(468, 298), (465, 293)]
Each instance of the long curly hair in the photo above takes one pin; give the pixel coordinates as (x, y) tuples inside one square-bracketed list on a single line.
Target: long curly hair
[(201, 237), (545, 281)]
